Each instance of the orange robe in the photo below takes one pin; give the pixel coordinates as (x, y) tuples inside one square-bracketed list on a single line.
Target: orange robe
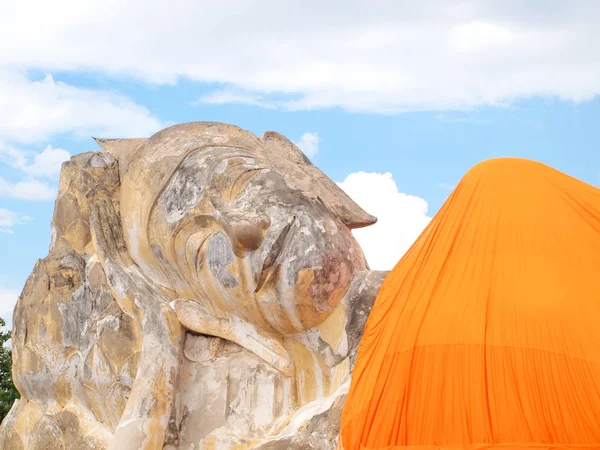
[(486, 334)]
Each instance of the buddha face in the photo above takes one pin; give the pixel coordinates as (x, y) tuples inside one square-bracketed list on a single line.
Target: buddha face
[(228, 230)]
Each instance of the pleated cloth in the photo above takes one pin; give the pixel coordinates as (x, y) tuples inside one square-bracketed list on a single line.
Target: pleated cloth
[(486, 335)]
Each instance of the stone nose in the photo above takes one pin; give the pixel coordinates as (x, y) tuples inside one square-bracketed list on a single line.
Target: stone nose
[(246, 233)]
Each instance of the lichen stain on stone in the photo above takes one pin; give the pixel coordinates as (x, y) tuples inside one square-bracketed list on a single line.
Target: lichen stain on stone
[(183, 192), (219, 256)]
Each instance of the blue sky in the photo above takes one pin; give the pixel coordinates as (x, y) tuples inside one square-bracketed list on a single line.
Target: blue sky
[(419, 93)]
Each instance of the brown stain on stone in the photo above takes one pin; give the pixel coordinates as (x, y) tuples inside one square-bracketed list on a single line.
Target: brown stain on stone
[(333, 328), (310, 373), (309, 313)]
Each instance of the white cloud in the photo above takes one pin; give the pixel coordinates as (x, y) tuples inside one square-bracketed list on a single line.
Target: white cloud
[(27, 190), (45, 164), (393, 56), (401, 217), (8, 300), (309, 144), (8, 219), (233, 96), (479, 36), (48, 163), (33, 111), (12, 156)]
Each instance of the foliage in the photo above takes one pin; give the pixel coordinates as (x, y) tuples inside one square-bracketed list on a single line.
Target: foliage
[(8, 392)]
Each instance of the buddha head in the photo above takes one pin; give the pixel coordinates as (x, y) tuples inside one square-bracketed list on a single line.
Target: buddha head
[(245, 226)]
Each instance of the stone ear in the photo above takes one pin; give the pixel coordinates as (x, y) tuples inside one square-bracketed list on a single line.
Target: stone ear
[(121, 149), (330, 193)]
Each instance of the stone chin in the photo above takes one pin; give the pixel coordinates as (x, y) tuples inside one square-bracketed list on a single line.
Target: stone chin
[(302, 287)]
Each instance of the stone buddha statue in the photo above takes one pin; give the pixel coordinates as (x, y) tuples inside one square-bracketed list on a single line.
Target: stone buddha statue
[(203, 290)]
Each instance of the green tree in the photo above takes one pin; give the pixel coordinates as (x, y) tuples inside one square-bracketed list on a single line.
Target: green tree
[(8, 392)]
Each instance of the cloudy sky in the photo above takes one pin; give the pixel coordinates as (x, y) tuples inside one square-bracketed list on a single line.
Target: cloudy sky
[(395, 101)]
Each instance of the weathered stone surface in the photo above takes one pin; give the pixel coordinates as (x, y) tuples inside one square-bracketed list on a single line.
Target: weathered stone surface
[(202, 291)]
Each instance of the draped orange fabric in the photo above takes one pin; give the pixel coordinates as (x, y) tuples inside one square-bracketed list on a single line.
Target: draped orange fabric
[(486, 335)]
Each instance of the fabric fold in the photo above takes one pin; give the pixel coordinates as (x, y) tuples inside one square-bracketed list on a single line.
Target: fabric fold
[(485, 335)]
